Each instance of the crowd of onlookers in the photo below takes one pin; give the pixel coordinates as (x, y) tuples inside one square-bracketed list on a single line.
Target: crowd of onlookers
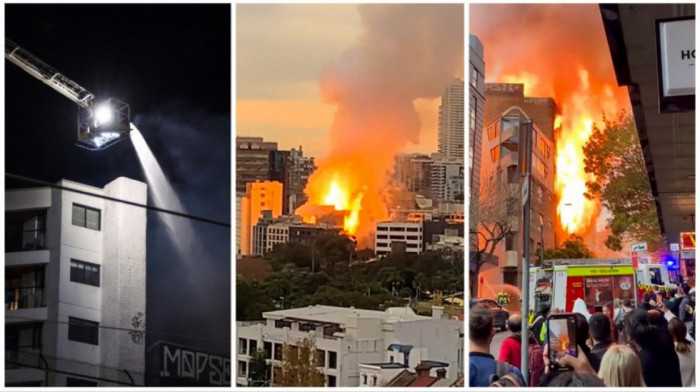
[(650, 344)]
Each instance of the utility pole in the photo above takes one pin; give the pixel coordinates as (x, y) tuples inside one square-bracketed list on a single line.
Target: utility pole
[(541, 241), (526, 157)]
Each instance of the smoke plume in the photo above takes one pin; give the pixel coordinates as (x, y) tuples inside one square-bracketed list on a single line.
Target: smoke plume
[(405, 52)]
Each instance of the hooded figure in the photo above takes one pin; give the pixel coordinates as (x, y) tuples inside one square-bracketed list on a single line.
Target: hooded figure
[(580, 307)]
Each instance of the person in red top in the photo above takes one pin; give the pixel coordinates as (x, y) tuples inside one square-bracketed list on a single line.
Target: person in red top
[(510, 348)]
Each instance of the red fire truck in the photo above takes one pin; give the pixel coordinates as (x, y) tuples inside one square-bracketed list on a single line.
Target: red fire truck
[(600, 281)]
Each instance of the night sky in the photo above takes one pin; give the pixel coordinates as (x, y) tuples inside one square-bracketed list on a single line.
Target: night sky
[(172, 65)]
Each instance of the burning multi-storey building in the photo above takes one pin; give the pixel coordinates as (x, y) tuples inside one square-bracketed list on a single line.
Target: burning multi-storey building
[(573, 67), (373, 86)]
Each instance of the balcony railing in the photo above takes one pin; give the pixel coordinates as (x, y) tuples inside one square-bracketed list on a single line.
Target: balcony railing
[(23, 356), (25, 240), (24, 297)]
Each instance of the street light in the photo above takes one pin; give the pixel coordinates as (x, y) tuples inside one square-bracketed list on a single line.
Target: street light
[(104, 124), (103, 114)]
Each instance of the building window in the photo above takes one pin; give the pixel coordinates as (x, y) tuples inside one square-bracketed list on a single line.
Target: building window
[(492, 132), (510, 242), (242, 365), (86, 273), (321, 358), (382, 244), (85, 331), (86, 217), (278, 351), (253, 346), (283, 323), (374, 380), (242, 346), (331, 381), (494, 154), (332, 360), (472, 113), (474, 77), (306, 327), (267, 346), (381, 236), (79, 382)]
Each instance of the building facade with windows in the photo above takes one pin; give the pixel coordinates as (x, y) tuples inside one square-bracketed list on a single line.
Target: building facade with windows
[(500, 170), (477, 69), (75, 285), (451, 121), (252, 160), (413, 172), (447, 180), (398, 237), (348, 340), (260, 196)]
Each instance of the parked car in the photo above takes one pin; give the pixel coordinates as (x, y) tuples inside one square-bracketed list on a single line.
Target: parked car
[(500, 315)]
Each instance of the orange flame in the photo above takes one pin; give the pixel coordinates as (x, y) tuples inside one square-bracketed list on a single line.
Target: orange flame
[(338, 196), (581, 81), (571, 180)]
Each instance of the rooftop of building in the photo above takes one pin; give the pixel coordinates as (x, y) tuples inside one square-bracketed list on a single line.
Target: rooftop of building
[(421, 377), (339, 315), (387, 365)]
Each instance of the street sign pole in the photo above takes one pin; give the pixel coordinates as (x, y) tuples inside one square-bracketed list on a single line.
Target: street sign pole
[(527, 143)]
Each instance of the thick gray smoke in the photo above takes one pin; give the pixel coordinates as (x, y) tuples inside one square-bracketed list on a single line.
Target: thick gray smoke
[(406, 52)]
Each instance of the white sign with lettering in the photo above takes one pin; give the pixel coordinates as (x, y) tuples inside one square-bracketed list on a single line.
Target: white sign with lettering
[(639, 247), (677, 57)]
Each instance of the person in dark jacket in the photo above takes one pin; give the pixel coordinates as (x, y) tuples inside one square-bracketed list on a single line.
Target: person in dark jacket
[(645, 301), (655, 349), (582, 331), (482, 365), (599, 325)]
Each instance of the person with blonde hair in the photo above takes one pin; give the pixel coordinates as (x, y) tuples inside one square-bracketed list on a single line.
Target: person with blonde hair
[(620, 367)]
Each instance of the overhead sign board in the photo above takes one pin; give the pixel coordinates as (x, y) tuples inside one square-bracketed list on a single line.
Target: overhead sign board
[(676, 44), (639, 247), (688, 254)]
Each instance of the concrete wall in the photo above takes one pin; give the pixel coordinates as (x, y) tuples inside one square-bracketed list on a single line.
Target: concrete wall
[(124, 276), (437, 340)]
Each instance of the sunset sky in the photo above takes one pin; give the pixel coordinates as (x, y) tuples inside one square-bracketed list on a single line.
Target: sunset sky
[(281, 50)]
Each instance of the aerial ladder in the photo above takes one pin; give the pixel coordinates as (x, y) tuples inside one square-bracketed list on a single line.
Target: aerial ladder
[(100, 125)]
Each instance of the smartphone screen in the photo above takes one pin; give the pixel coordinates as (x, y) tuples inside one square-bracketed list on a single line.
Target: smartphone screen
[(561, 336)]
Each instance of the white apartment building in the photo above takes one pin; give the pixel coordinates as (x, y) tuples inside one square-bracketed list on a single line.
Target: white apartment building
[(75, 285), (398, 236), (451, 121), (352, 343), (277, 233)]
